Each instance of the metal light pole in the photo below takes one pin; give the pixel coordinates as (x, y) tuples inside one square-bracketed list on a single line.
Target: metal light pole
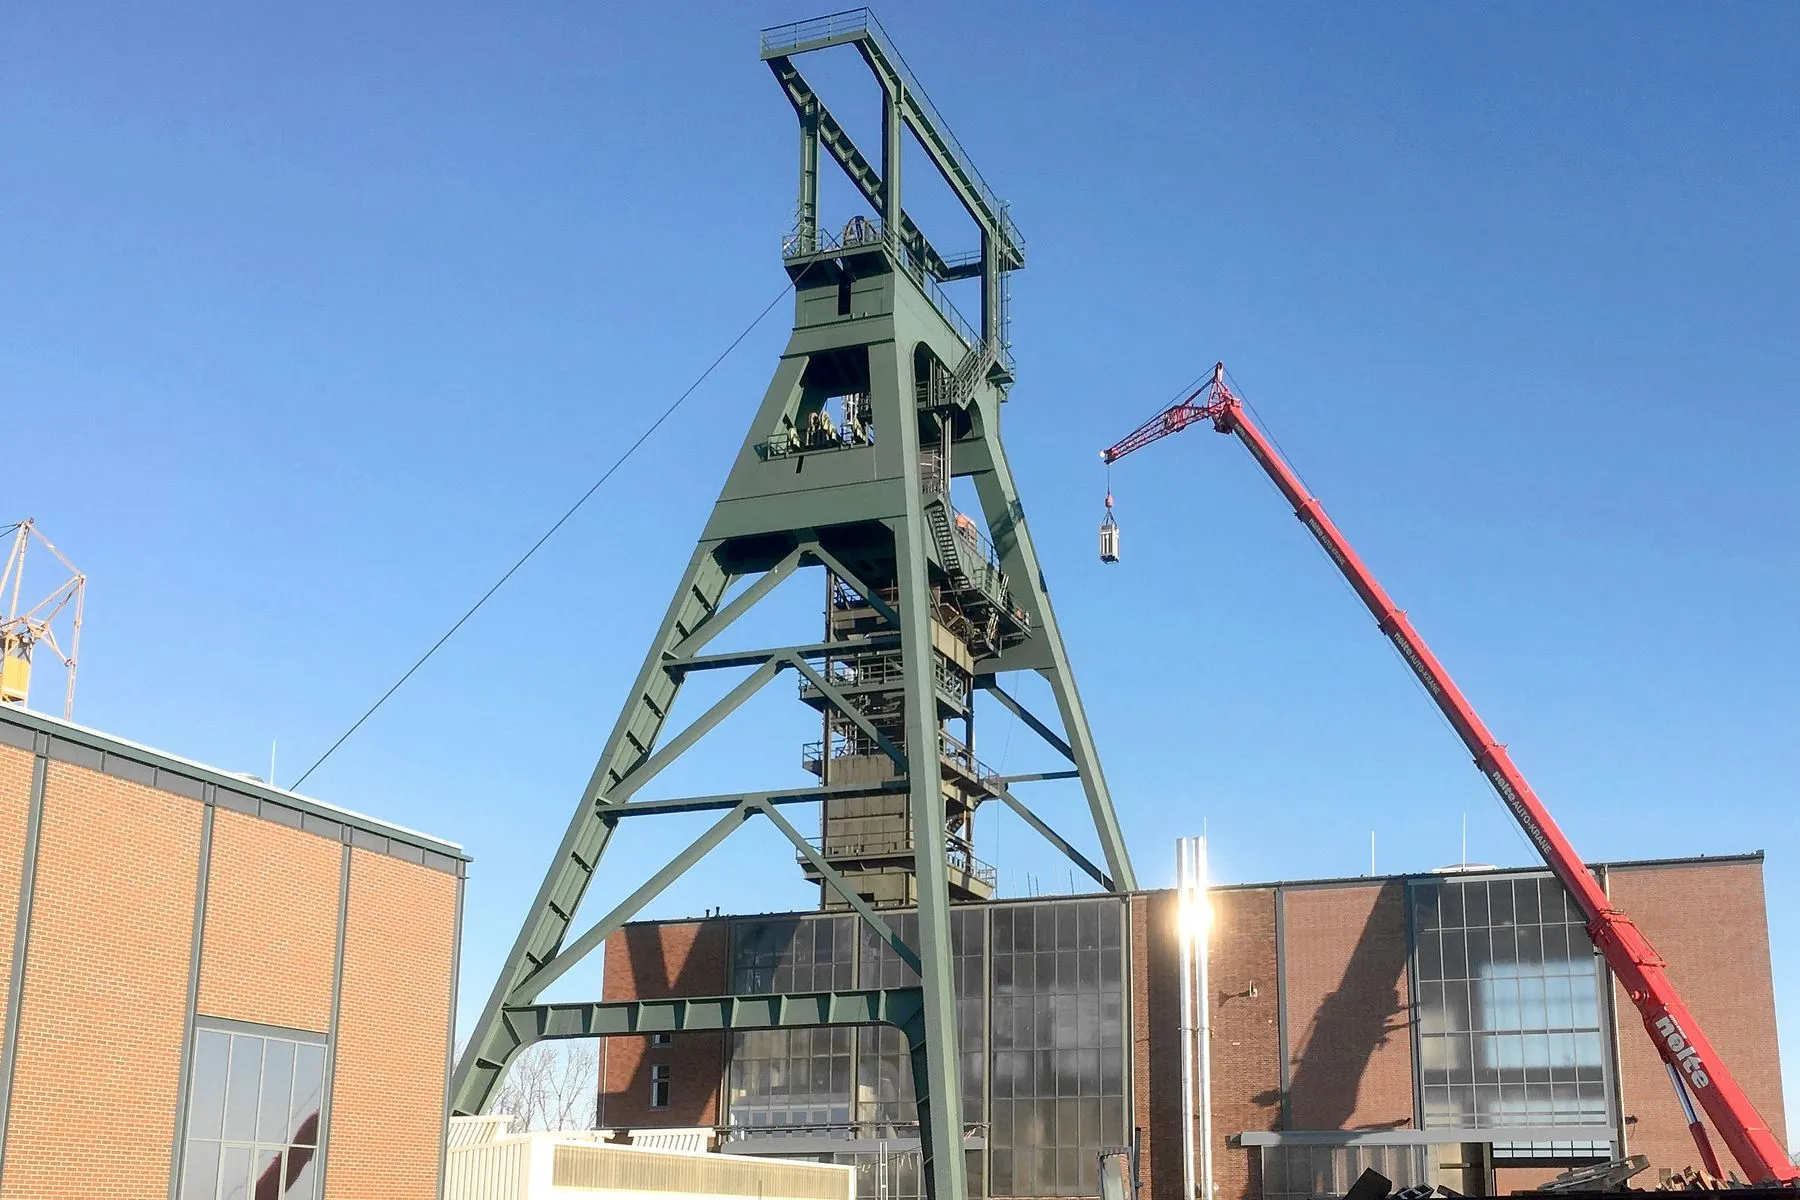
[(1195, 911)]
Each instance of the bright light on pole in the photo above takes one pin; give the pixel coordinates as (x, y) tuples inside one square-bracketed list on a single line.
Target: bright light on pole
[(1194, 919)]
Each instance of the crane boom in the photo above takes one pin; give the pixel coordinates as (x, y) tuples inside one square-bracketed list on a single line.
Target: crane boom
[(1694, 1064)]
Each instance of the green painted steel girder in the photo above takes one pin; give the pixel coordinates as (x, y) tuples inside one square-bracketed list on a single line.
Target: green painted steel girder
[(859, 169), (814, 795), (900, 1007), (751, 658), (859, 28)]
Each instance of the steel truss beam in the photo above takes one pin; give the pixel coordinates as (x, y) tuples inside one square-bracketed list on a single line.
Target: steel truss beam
[(993, 688), (847, 791), (900, 1007), (1055, 839)]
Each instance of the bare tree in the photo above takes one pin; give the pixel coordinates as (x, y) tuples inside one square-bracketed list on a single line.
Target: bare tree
[(552, 1085)]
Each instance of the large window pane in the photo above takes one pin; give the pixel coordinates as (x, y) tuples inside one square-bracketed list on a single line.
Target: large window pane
[(308, 1095), (242, 1087), (253, 1117), (1066, 1092), (200, 1176), (1509, 1013), (277, 1090), (206, 1095)]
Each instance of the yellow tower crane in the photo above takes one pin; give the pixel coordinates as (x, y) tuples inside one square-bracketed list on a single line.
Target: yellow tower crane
[(23, 630)]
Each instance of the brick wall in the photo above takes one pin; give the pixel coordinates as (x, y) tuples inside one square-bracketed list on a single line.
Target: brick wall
[(1246, 1054), (271, 924), (1710, 923), (649, 962), (1246, 1042), (1156, 1044), (15, 806), (1348, 1007), (388, 1093), (105, 999)]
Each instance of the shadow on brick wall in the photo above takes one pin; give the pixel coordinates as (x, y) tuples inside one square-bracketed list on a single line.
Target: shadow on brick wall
[(1362, 1014)]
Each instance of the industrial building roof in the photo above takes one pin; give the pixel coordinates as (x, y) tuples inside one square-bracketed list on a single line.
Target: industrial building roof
[(68, 742)]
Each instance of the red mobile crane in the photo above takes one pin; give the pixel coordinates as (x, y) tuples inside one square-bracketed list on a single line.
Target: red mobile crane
[(1694, 1066)]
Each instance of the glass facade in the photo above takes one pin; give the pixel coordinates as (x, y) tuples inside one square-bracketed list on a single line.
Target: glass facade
[(253, 1116), (1040, 1017), (1059, 1045), (1304, 1172), (1510, 1022), (791, 1079)]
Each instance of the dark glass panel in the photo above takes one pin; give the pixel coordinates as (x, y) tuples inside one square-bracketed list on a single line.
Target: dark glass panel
[(1456, 959), (1087, 926), (1112, 913), (1525, 901), (1431, 956), (1087, 970), (1500, 902), (1531, 948), (1425, 906), (1450, 908), (1480, 955), (1475, 904)]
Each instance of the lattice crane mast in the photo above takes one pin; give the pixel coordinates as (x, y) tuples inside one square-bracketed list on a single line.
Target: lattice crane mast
[(1695, 1067)]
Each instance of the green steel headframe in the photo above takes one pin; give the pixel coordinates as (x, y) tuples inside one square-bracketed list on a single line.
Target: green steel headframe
[(866, 499)]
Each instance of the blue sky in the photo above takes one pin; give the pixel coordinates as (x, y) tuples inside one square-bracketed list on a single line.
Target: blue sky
[(314, 318)]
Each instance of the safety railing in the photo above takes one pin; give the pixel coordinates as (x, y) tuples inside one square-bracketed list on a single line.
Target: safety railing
[(887, 671), (844, 597), (957, 857), (845, 435), (839, 1129), (805, 239)]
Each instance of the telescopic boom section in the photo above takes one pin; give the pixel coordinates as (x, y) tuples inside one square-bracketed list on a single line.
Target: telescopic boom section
[(1636, 965)]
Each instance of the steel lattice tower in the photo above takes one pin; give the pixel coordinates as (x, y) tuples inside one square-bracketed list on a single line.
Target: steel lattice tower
[(882, 396)]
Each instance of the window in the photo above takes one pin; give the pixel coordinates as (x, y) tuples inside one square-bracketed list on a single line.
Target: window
[(1300, 1172), (659, 1086), (1059, 1050), (1510, 1029), (662, 1039), (253, 1116), (782, 1080)]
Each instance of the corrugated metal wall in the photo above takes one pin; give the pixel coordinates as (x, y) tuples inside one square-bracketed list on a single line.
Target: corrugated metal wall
[(697, 1174), (497, 1171)]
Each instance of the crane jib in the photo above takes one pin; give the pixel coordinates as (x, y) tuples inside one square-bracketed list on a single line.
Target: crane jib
[(1629, 955)]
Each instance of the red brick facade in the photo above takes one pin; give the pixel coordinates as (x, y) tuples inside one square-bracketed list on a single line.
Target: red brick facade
[(387, 1098), (1339, 992), (152, 885), (106, 971), (1349, 1015), (1708, 920), (651, 962)]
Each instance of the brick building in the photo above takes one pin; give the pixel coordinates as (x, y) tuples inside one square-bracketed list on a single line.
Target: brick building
[(1453, 1027), (213, 987)]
